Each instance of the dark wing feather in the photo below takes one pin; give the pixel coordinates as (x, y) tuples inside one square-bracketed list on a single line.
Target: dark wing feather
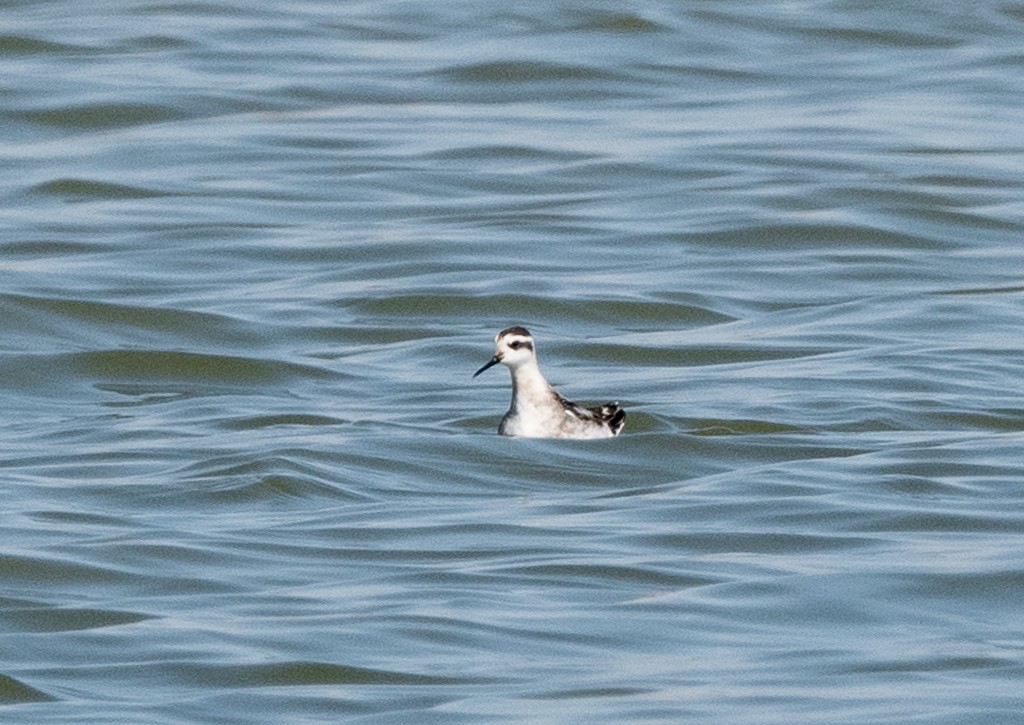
[(609, 413)]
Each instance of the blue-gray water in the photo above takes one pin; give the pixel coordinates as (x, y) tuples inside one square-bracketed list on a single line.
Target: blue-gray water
[(251, 254)]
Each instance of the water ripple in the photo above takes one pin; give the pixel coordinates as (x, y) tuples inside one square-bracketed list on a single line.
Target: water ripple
[(252, 257)]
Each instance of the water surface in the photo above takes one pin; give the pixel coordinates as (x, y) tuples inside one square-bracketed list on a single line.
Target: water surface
[(250, 258)]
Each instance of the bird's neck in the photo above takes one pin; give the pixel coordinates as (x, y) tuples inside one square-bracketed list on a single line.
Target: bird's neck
[(528, 385)]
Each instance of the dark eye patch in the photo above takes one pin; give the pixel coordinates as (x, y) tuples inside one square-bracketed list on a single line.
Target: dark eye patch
[(515, 344)]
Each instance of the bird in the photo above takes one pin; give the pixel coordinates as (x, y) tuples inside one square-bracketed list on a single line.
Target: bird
[(537, 410)]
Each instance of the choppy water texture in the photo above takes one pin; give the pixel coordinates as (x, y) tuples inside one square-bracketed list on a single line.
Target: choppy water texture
[(251, 254)]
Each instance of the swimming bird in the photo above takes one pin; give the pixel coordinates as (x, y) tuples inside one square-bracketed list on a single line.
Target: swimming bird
[(537, 411)]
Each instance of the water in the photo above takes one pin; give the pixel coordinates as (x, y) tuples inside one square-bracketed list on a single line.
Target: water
[(251, 255)]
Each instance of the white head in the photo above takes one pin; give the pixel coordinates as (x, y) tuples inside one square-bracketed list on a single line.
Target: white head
[(513, 348)]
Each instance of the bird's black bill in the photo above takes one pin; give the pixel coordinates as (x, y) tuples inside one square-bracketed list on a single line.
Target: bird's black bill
[(490, 363)]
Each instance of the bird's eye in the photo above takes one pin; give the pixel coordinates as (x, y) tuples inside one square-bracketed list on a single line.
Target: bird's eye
[(515, 344)]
